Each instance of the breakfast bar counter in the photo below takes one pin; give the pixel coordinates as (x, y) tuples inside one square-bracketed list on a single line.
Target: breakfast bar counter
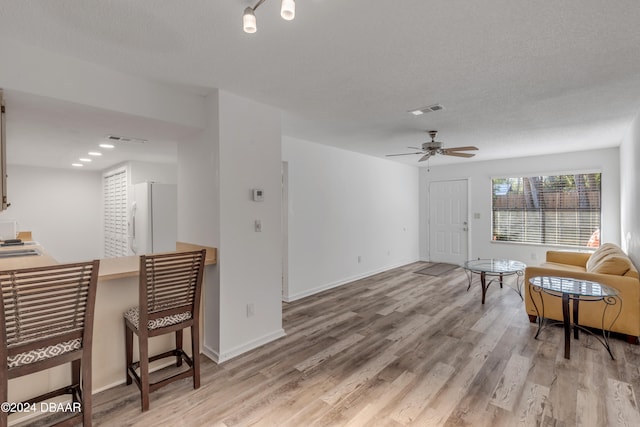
[(117, 291), (33, 255), (122, 267), (24, 256)]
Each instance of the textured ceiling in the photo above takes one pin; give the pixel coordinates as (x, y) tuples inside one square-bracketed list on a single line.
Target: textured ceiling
[(515, 77)]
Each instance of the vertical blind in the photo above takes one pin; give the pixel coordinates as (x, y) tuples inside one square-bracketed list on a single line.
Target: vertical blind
[(547, 210)]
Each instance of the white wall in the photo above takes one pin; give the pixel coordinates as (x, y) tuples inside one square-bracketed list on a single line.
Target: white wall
[(630, 191), (217, 169), (344, 205), (165, 173), (63, 209), (479, 175), (250, 262), (199, 212), (199, 182)]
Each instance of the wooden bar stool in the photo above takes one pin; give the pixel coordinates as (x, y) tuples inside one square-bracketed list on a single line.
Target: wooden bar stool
[(47, 315), (170, 286)]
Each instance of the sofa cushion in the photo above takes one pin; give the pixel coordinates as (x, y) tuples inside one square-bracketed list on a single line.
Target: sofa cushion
[(133, 315), (604, 251), (565, 267), (43, 353), (612, 264)]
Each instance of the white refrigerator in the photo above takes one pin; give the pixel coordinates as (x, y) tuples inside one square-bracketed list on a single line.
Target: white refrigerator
[(153, 218)]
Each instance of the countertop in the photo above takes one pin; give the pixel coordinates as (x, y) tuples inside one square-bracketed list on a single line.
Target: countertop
[(117, 268), (14, 263), (110, 268)]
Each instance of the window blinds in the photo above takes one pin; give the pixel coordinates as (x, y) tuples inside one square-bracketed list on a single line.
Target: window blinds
[(547, 210)]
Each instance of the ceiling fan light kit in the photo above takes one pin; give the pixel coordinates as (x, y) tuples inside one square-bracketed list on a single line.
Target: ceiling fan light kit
[(288, 10), (249, 22), (433, 147)]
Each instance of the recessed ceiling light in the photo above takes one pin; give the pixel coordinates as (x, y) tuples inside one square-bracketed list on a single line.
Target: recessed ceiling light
[(107, 145), (417, 112), (94, 153), (84, 159), (78, 165)]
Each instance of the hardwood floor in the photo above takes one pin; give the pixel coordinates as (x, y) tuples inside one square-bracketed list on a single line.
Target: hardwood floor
[(399, 349)]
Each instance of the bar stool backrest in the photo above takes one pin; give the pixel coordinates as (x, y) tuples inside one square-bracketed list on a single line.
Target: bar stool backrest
[(47, 320), (46, 306), (170, 284)]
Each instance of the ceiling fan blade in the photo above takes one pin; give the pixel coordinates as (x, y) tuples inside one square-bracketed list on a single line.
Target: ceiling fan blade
[(470, 147), (446, 152), (425, 157), (415, 148), (403, 154)]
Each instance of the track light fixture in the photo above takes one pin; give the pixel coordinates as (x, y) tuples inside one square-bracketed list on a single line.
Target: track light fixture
[(287, 11)]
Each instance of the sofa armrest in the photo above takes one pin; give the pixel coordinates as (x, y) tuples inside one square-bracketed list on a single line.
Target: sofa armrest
[(567, 257)]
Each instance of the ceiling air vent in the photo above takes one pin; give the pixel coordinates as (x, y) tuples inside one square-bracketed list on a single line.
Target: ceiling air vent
[(428, 109), (116, 138)]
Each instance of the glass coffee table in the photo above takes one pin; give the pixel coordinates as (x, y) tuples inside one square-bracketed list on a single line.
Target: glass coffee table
[(496, 269), (572, 292)]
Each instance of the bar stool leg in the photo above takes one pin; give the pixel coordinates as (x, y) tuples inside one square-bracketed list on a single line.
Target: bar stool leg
[(87, 387), (4, 395), (75, 378), (143, 343), (195, 353), (128, 334), (179, 348)]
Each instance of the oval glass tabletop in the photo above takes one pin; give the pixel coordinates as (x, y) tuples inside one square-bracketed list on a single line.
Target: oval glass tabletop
[(495, 265), (566, 285)]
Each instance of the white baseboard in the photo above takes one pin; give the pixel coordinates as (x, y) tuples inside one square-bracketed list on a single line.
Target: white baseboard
[(309, 292), (241, 349), (210, 353)]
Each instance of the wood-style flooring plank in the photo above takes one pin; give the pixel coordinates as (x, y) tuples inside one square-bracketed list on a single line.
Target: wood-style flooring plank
[(531, 407), (511, 383), (621, 404), (422, 392)]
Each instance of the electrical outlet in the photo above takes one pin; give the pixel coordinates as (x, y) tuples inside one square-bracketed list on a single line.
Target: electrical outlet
[(359, 259), (250, 310), (258, 225)]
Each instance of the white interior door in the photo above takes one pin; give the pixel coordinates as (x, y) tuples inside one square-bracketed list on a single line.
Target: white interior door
[(448, 221)]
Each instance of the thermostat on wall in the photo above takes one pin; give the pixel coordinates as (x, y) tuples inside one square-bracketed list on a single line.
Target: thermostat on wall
[(257, 195)]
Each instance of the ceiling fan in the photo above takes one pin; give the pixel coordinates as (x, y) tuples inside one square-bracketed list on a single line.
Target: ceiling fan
[(433, 147)]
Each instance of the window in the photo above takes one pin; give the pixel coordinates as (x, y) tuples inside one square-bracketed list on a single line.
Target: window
[(547, 210)]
